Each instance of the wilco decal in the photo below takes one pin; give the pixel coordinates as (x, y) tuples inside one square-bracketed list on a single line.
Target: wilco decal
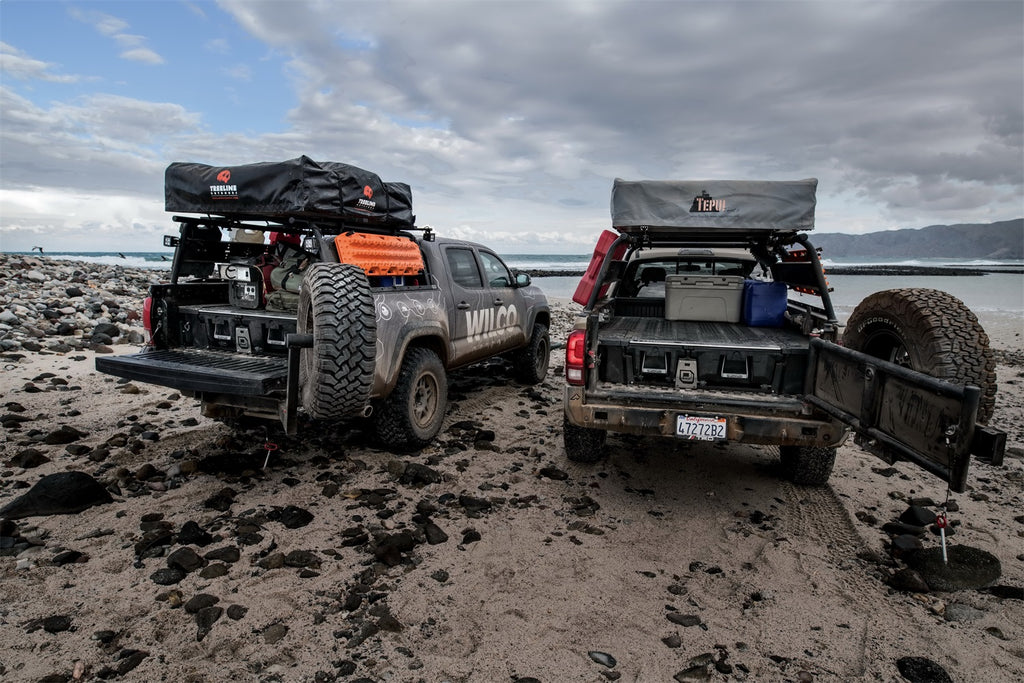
[(705, 203), (489, 323)]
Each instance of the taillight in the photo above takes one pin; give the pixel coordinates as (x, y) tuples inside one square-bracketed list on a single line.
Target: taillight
[(147, 317), (575, 357)]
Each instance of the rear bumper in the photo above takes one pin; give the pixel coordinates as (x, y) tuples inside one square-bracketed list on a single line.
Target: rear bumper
[(773, 421)]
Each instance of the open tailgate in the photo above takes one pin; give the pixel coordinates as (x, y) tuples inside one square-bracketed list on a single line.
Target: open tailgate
[(900, 414)]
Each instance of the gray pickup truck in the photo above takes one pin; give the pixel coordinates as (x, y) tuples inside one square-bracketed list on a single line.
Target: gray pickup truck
[(707, 316), (345, 310)]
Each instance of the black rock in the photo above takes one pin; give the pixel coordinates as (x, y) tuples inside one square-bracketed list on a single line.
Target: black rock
[(903, 529), (229, 554), (419, 475), (63, 493), (64, 434), (916, 515), (213, 571), (1007, 592), (602, 658), (683, 619), (199, 601), (302, 558), (922, 670), (470, 536), (222, 500), (236, 612), (554, 473), (966, 568), (205, 619), (185, 559), (28, 458), (292, 517), (472, 504), (389, 550), (68, 557), (673, 641), (106, 329), (193, 534), (434, 534), (167, 576), (128, 660), (908, 581)]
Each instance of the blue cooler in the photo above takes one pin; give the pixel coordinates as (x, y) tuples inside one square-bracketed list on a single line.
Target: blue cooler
[(764, 303)]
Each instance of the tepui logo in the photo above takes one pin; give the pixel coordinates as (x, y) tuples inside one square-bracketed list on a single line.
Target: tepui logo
[(705, 203), (224, 176)]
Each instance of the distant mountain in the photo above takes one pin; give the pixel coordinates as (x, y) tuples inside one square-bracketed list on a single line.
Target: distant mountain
[(967, 241)]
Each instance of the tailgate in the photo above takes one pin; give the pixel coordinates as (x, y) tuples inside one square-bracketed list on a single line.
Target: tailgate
[(203, 371)]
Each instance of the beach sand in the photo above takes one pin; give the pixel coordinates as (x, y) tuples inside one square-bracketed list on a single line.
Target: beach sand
[(485, 557)]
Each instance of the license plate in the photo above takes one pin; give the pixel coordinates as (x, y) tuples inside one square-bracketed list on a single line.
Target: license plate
[(701, 428)]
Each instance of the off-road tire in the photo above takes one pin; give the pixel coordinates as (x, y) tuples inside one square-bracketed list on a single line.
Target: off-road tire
[(929, 331), (807, 465), (582, 444), (531, 362), (336, 307), (411, 416)]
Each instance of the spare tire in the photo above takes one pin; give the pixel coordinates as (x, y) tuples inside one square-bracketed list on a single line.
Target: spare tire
[(336, 307), (929, 331)]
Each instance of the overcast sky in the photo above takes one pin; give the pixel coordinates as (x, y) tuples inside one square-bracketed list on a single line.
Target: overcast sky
[(509, 120)]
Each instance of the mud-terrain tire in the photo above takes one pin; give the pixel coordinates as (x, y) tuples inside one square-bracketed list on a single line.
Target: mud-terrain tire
[(531, 362), (807, 465), (929, 331), (411, 416), (336, 307), (583, 445)]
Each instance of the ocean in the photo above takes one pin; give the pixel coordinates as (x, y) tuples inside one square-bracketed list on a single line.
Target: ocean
[(993, 292)]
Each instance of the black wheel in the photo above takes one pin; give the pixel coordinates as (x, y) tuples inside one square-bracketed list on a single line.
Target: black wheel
[(531, 362), (808, 465), (336, 307), (412, 415), (928, 331), (582, 444)]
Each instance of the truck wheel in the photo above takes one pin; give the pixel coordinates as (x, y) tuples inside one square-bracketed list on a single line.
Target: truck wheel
[(531, 362), (808, 465), (582, 444), (411, 416), (336, 307), (928, 331)]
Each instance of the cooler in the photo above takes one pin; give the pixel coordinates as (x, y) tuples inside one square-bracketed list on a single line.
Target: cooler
[(712, 298), (764, 303)]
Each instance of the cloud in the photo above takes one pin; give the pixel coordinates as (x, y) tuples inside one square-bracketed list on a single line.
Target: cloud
[(133, 46), (18, 65)]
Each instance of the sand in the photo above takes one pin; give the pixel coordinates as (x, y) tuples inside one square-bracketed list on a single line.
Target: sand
[(548, 569)]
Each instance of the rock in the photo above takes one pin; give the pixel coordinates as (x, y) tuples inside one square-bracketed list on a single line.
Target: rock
[(222, 500), (64, 434), (916, 515), (602, 658), (419, 475), (69, 557), (922, 670), (274, 633), (908, 581), (958, 612), (389, 550), (673, 641), (167, 576), (193, 534), (128, 660), (1007, 592), (236, 612), (199, 601), (205, 619), (967, 568), (54, 624), (302, 558), (213, 571), (63, 493), (440, 576), (434, 534), (553, 473), (470, 536), (228, 554), (292, 517), (185, 559), (28, 458), (474, 505), (683, 619)]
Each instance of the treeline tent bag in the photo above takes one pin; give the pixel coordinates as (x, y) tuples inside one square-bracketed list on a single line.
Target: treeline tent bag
[(295, 188)]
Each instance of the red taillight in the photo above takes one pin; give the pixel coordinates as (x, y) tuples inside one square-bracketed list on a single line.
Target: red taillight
[(575, 357), (147, 316)]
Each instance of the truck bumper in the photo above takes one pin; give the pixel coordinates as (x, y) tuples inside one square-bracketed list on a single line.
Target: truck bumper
[(785, 423)]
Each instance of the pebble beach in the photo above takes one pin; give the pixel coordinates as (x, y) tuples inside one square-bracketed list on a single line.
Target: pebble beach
[(201, 552)]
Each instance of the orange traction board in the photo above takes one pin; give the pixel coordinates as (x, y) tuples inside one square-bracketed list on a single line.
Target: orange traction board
[(379, 254)]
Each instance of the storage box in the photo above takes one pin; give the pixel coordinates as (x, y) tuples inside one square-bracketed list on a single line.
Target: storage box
[(713, 298), (764, 303)]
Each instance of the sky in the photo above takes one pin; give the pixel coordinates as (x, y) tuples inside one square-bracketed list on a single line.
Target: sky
[(510, 120)]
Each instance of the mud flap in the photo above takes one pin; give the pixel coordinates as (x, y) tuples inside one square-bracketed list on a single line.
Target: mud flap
[(900, 414)]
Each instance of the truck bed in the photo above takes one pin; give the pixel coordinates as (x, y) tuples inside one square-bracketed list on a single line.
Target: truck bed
[(644, 330)]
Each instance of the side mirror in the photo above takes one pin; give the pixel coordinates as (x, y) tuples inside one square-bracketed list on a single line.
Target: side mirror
[(523, 280)]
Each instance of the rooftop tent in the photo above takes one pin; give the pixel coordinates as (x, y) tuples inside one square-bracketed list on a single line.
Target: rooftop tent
[(716, 205), (299, 187)]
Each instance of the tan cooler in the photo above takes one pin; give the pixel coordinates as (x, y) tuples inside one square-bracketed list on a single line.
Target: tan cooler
[(713, 298)]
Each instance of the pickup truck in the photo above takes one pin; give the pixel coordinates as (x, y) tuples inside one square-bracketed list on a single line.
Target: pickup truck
[(346, 310), (707, 316)]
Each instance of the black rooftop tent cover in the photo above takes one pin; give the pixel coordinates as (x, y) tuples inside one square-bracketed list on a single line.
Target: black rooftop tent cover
[(717, 205), (299, 188)]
